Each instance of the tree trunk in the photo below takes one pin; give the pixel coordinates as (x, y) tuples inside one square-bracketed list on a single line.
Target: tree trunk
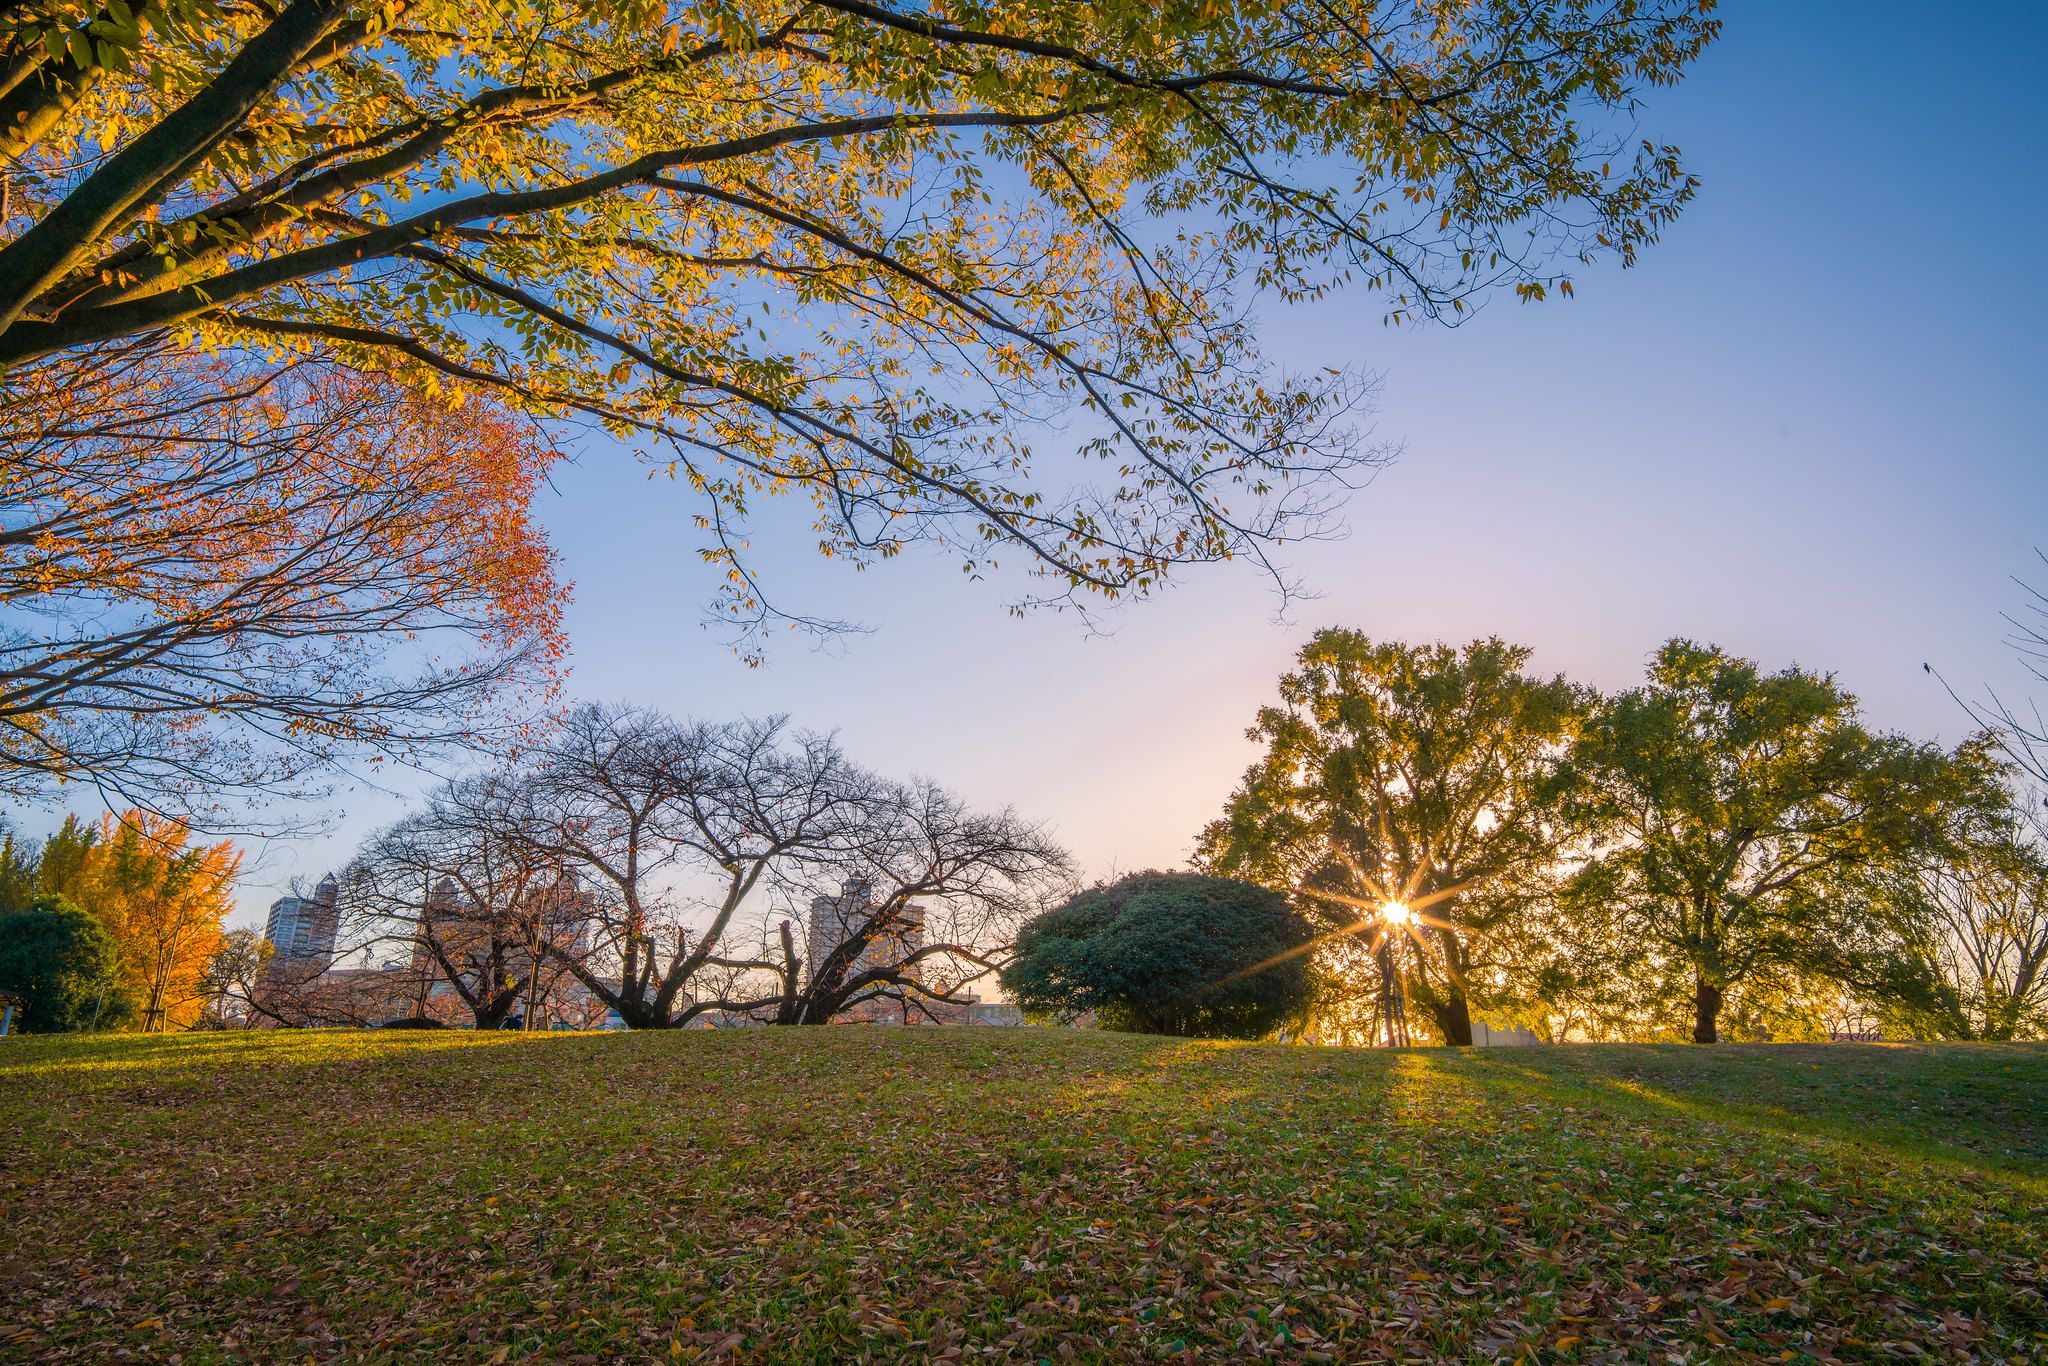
[(1454, 1019), (792, 978), (491, 1011), (1706, 1012)]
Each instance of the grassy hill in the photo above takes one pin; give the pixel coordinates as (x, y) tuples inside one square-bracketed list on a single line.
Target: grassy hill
[(822, 1195)]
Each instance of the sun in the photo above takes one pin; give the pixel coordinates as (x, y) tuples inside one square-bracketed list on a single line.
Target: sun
[(1396, 912)]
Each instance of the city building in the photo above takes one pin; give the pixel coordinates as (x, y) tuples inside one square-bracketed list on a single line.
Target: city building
[(301, 930), (835, 919)]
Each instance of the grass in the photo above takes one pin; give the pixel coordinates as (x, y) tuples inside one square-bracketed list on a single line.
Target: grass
[(834, 1195)]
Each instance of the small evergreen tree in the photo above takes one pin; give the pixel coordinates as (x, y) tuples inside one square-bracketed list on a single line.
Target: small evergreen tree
[(1168, 953)]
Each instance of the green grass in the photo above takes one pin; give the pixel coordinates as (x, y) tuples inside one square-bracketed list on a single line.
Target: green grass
[(833, 1195)]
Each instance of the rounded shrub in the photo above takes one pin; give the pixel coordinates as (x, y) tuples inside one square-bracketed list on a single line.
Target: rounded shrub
[(1168, 953)]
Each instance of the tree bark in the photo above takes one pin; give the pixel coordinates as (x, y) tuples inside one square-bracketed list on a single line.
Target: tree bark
[(139, 170), (1706, 1012), (491, 1012), (1454, 1019)]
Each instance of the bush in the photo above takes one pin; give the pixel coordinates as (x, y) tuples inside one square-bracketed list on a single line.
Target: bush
[(1168, 953), (62, 960)]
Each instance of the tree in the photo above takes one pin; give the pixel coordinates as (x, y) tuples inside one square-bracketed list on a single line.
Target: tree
[(64, 962), (1984, 906), (62, 861), (853, 250), (2019, 729), (673, 828), (223, 574), (229, 985), (676, 829), (931, 892), (162, 900), (473, 902), (18, 863), (1424, 779), (1742, 818), (1168, 953)]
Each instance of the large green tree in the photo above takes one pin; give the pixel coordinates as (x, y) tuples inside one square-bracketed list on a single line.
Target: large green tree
[(1168, 953), (63, 961), (873, 253), (1426, 777), (1744, 819)]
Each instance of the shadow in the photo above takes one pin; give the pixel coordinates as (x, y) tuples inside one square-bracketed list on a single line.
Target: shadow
[(1829, 1127)]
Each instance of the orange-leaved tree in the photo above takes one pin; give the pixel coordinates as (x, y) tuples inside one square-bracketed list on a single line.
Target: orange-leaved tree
[(162, 898), (220, 574)]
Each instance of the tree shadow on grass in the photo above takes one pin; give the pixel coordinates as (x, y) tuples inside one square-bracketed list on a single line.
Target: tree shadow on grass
[(1836, 1129)]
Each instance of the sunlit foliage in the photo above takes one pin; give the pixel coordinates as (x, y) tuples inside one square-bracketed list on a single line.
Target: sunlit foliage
[(1425, 776), (1742, 819), (974, 273), (162, 900)]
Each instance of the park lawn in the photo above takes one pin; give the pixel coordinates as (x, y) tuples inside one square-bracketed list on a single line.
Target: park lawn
[(837, 1194)]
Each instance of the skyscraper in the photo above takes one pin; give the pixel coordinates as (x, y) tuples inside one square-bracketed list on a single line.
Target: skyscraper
[(886, 939), (301, 929)]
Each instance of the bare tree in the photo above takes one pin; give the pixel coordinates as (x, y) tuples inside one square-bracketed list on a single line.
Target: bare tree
[(1989, 900), (2019, 729), (932, 894), (1987, 907), (678, 826), (229, 983), (478, 909)]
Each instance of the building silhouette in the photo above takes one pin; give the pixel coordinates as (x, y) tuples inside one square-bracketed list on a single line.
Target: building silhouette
[(892, 941), (835, 919)]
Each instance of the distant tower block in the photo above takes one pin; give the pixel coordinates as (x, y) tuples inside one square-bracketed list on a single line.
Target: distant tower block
[(301, 929)]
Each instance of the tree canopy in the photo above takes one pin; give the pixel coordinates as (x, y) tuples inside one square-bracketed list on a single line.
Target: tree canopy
[(1986, 911), (64, 963), (1741, 815), (1168, 953), (1425, 777), (649, 867), (220, 575), (158, 897), (874, 255)]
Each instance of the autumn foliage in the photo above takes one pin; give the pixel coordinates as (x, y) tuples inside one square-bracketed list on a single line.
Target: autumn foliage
[(162, 899), (157, 898), (222, 572), (969, 275)]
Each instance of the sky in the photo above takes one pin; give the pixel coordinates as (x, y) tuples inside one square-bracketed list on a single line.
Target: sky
[(1811, 425)]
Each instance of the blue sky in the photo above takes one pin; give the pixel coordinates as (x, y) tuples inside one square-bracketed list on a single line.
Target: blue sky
[(1808, 426)]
